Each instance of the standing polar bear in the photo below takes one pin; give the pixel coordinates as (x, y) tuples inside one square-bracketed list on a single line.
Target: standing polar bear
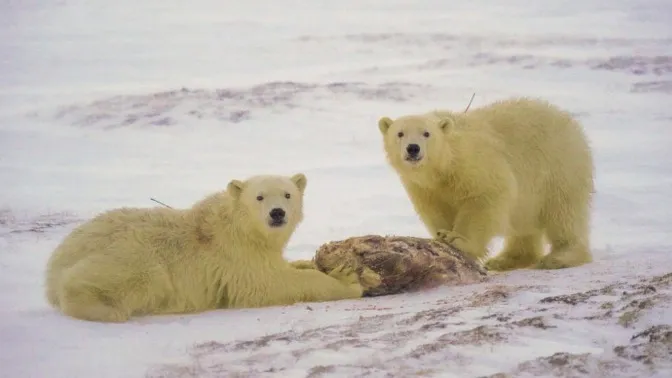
[(519, 168), (224, 252)]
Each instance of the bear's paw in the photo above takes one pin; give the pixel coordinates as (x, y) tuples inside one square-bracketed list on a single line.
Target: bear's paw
[(503, 264), (345, 274), (456, 240), (369, 279), (303, 264)]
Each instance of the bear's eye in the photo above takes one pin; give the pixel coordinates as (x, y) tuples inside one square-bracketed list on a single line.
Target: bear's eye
[(260, 198), (287, 195), (426, 134), (400, 134)]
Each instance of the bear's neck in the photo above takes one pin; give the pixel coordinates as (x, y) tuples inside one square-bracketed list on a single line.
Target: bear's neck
[(429, 176), (242, 232)]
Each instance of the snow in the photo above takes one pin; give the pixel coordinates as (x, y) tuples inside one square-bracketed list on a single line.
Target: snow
[(105, 105)]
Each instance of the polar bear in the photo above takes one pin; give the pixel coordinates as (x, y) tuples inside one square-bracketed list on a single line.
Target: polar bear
[(223, 252), (521, 168)]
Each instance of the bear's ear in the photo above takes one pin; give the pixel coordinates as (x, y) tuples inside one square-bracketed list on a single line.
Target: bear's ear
[(446, 124), (234, 188), (384, 124), (300, 180)]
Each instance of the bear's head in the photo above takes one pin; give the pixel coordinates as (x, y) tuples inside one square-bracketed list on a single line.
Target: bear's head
[(416, 141), (270, 204)]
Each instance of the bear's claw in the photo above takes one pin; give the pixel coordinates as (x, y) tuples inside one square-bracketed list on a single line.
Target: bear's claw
[(449, 237), (345, 274), (369, 278), (455, 239)]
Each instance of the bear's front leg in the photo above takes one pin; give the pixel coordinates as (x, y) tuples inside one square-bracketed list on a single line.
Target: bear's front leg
[(434, 213), (290, 286), (476, 223), (308, 285)]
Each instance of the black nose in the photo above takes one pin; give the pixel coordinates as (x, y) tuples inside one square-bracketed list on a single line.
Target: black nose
[(413, 149), (277, 214)]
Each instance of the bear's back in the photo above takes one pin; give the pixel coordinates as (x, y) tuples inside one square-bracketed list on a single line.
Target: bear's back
[(538, 135), (545, 149), (125, 230)]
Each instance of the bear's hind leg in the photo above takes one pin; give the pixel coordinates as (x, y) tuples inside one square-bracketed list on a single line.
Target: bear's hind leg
[(114, 292), (569, 235), (51, 294), (519, 252), (83, 300)]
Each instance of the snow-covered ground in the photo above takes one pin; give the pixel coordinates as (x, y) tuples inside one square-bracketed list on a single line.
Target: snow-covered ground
[(108, 103)]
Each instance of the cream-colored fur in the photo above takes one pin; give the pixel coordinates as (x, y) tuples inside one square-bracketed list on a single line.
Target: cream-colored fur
[(221, 253), (519, 168)]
